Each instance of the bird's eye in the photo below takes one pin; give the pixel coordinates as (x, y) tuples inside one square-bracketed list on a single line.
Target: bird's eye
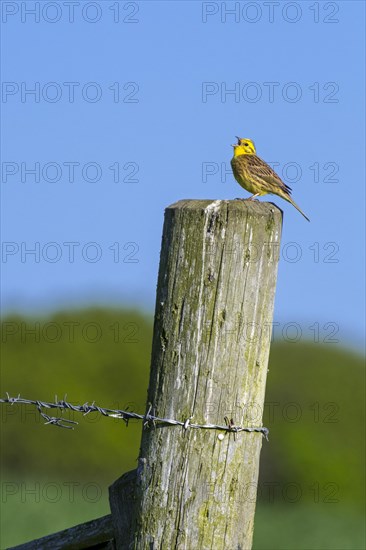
[(246, 144)]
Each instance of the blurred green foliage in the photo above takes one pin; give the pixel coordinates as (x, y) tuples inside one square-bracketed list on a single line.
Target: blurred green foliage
[(90, 355), (315, 410), (312, 467), (305, 526)]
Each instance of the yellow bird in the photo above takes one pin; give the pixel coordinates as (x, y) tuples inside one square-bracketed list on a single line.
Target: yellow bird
[(252, 173)]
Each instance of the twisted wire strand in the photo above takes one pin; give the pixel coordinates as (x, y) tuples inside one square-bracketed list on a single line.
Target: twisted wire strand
[(148, 418)]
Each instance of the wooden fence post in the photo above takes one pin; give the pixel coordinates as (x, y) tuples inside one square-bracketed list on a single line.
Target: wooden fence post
[(195, 488)]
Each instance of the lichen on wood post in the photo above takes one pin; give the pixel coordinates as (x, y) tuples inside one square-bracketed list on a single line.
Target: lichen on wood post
[(212, 334)]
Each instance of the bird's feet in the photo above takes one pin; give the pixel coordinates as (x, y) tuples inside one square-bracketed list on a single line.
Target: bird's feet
[(248, 199)]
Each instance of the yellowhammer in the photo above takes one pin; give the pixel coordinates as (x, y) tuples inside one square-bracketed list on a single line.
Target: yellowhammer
[(256, 176)]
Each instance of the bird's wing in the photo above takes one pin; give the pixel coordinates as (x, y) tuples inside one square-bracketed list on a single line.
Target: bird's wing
[(265, 172)]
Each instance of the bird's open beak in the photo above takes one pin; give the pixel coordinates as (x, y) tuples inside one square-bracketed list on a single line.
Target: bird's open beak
[(238, 138)]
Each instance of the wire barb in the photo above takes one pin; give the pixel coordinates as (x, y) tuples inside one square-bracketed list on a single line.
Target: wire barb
[(147, 418)]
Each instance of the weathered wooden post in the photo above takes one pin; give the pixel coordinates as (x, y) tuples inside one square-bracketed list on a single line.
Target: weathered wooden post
[(213, 318)]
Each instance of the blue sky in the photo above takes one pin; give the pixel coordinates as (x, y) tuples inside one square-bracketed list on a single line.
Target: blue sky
[(145, 100)]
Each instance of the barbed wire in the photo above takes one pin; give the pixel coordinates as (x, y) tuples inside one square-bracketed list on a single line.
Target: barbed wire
[(148, 418)]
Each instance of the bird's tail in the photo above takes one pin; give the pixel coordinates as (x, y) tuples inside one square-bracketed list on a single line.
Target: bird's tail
[(289, 199)]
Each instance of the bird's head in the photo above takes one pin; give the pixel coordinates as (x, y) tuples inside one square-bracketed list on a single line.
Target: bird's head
[(244, 146)]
